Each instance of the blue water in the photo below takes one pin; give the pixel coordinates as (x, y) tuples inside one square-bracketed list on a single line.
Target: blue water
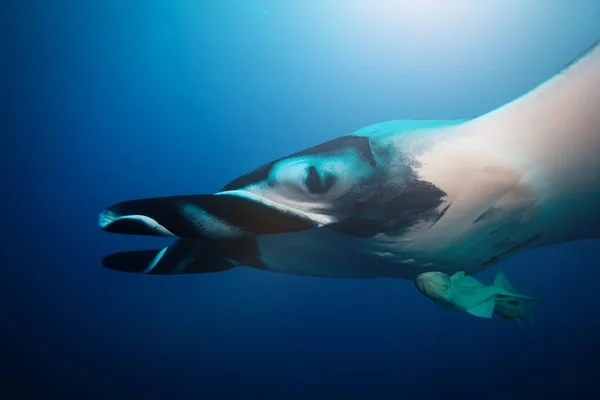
[(112, 100)]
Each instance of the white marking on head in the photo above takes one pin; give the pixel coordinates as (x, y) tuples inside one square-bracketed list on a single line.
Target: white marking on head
[(269, 202), (155, 261), (108, 217)]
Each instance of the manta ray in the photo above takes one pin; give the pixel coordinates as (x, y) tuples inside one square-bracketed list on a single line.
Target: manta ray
[(396, 199)]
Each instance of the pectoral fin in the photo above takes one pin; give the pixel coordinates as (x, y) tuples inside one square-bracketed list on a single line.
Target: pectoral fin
[(483, 310)]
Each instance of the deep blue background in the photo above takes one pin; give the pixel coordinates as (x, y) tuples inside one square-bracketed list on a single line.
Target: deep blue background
[(110, 100)]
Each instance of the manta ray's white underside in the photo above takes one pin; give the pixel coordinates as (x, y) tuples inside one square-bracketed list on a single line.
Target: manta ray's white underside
[(525, 175), (531, 167)]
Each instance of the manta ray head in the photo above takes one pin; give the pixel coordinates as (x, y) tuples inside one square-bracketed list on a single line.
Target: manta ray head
[(327, 183), (355, 184)]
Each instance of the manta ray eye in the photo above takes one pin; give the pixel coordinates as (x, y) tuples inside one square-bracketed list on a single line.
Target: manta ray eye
[(317, 184)]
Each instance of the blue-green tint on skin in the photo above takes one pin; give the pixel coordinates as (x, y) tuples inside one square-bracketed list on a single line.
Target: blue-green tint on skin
[(465, 293)]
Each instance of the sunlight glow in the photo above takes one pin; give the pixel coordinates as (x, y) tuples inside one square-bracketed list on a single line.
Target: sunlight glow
[(424, 13)]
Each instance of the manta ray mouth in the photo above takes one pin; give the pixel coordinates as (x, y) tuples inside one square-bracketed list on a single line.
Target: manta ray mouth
[(319, 219), (224, 215)]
